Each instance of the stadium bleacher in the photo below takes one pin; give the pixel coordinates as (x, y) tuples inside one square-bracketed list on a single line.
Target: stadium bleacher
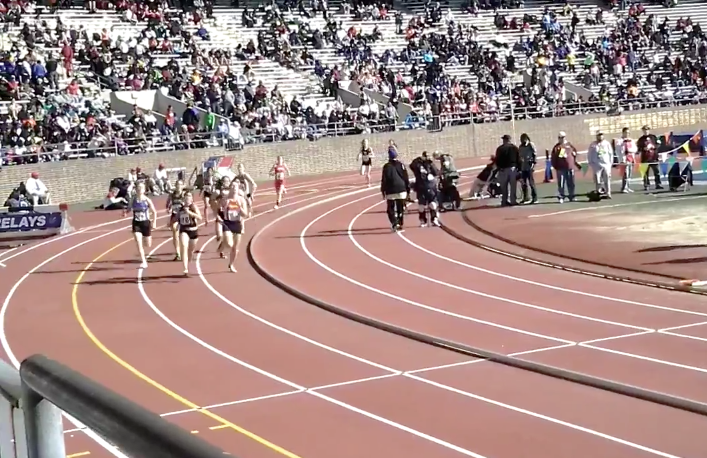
[(283, 72)]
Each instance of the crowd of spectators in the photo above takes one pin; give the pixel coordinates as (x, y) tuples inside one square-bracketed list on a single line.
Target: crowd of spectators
[(640, 62)]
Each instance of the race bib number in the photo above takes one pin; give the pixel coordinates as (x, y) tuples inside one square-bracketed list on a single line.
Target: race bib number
[(280, 176), (207, 188), (563, 153), (184, 219), (176, 208), (141, 216), (430, 177)]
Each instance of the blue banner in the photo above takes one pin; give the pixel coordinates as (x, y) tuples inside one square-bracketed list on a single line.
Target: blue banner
[(29, 221)]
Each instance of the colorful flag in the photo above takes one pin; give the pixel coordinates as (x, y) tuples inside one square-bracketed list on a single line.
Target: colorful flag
[(642, 169), (686, 147)]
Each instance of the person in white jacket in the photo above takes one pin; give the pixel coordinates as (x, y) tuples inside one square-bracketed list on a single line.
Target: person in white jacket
[(625, 149), (601, 157)]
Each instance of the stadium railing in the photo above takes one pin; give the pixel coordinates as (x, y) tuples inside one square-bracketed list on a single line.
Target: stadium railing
[(179, 140), (35, 397)]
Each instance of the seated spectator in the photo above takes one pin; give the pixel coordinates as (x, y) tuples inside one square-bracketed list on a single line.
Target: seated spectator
[(37, 190)]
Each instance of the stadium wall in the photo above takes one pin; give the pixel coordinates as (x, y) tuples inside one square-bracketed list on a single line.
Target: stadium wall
[(87, 179)]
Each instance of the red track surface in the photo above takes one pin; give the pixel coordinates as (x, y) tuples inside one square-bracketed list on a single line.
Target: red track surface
[(223, 338)]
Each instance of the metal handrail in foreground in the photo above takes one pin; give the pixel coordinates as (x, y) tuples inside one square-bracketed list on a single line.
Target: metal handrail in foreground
[(43, 388)]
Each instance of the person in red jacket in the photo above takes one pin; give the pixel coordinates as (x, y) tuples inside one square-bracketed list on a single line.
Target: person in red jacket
[(564, 160)]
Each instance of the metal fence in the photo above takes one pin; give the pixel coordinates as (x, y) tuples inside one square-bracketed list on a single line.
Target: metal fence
[(299, 131), (34, 398)]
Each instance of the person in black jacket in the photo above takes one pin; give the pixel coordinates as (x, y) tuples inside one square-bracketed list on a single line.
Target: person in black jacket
[(395, 186), (507, 162), (426, 175)]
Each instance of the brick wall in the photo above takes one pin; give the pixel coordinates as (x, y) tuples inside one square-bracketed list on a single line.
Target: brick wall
[(87, 179)]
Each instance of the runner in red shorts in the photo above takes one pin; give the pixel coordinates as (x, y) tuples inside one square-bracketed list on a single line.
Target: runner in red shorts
[(280, 171)]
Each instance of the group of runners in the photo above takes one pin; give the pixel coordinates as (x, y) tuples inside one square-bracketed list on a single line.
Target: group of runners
[(229, 200)]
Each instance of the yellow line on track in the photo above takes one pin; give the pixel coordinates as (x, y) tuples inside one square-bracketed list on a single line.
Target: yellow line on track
[(223, 422), (77, 455)]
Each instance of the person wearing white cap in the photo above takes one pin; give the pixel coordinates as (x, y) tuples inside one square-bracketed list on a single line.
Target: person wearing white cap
[(564, 160), (600, 156)]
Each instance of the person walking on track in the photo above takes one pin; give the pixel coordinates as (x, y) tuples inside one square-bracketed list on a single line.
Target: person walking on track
[(564, 160), (600, 157), (507, 162), (528, 159), (395, 187)]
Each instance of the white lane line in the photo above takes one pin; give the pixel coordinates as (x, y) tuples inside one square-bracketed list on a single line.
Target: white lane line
[(430, 279), (645, 358), (684, 336), (396, 425), (291, 384), (545, 417), (6, 303), (314, 259), (675, 328), (603, 207), (95, 227), (545, 285)]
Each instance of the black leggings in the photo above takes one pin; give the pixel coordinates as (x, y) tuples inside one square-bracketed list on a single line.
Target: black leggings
[(396, 211)]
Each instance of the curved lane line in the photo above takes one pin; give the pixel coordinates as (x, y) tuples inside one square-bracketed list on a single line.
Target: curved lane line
[(148, 380), (545, 285), (351, 236), (461, 392), (6, 303), (314, 259)]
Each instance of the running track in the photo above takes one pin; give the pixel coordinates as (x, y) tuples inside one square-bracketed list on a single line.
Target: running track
[(262, 374)]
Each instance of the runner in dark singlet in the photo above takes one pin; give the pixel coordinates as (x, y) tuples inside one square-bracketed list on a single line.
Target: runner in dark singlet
[(366, 158), (207, 191), (221, 191), (235, 210), (175, 200), (144, 220), (188, 229), (249, 186)]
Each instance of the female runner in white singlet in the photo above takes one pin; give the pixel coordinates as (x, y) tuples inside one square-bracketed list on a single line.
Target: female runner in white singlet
[(235, 211), (249, 186), (280, 172), (207, 191), (144, 220), (188, 229), (366, 158)]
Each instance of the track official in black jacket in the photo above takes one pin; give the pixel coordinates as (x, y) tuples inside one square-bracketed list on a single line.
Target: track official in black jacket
[(507, 162), (426, 188), (395, 187)]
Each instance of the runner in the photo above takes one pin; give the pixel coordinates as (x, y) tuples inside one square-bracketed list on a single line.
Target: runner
[(235, 210), (144, 220), (221, 193), (248, 185), (175, 200), (188, 217), (207, 191), (366, 158), (280, 171)]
